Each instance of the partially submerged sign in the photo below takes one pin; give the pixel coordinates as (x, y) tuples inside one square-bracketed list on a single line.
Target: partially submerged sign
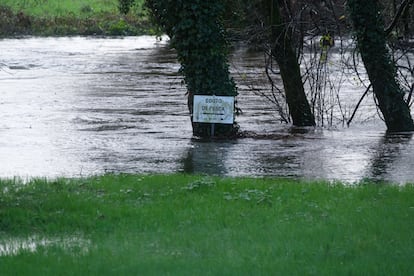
[(213, 109)]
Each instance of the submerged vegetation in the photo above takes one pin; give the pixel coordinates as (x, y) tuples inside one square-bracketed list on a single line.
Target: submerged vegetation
[(55, 17), (196, 225)]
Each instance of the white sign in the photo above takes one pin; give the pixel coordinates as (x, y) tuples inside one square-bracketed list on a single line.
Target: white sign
[(213, 109)]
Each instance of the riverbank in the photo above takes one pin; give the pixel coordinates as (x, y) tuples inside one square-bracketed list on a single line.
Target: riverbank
[(197, 225), (66, 18)]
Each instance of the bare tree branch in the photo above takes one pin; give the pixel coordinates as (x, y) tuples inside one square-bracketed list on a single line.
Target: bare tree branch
[(359, 103), (404, 5)]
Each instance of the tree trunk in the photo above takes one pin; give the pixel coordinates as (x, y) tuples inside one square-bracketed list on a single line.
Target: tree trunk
[(285, 56), (197, 33), (371, 38)]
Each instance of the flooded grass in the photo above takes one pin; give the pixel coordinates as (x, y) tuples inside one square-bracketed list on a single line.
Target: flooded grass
[(198, 225), (33, 244)]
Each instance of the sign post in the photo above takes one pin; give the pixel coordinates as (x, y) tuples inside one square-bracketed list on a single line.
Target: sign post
[(213, 110)]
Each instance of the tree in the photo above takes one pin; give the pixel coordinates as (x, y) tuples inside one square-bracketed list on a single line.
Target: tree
[(196, 32), (371, 40), (283, 52), (268, 25)]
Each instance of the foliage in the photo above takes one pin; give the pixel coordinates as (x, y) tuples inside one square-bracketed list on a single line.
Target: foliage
[(59, 8), (125, 5), (119, 28), (86, 19), (196, 32), (11, 22), (195, 225)]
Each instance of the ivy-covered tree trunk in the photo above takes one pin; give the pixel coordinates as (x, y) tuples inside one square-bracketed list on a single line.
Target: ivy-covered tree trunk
[(197, 34), (285, 56), (369, 29)]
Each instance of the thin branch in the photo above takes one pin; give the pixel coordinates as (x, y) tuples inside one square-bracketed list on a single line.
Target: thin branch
[(404, 5), (410, 95), (359, 103)]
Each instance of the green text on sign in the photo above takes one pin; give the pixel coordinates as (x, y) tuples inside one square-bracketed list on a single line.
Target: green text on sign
[(213, 109)]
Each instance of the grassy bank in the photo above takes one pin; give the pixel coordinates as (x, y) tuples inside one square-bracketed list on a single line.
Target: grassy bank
[(192, 225), (70, 17)]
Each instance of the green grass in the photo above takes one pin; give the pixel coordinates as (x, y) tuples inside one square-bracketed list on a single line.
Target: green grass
[(71, 17), (195, 225), (56, 8), (59, 8)]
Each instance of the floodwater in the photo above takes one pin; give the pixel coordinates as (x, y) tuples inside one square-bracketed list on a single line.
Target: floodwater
[(75, 245), (86, 106)]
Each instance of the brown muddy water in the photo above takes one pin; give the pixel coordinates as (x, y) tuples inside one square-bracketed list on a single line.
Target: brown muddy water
[(86, 106)]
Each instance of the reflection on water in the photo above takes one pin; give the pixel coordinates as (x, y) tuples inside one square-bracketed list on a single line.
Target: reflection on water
[(71, 245), (391, 157), (82, 106), (208, 157)]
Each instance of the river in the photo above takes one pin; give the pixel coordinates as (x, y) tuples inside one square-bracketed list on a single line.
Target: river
[(77, 106)]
